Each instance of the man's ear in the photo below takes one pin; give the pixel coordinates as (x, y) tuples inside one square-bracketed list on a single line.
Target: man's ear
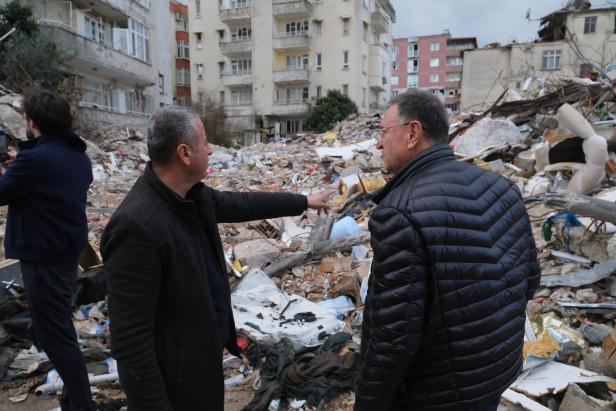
[(414, 134), (183, 153)]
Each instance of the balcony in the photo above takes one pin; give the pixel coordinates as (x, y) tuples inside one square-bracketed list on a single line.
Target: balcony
[(238, 14), (92, 57), (380, 22), (112, 9), (292, 41), (236, 47), (292, 8), (378, 83), (290, 107), (292, 75), (239, 109), (237, 78)]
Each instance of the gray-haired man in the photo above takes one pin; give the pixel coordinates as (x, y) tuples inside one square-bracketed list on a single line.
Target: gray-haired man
[(169, 300), (454, 265)]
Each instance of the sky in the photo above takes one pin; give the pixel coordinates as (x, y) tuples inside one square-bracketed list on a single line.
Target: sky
[(488, 20)]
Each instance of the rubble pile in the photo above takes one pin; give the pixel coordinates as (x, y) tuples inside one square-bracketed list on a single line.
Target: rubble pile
[(299, 283)]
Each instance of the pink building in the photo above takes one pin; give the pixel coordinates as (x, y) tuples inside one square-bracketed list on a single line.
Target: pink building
[(431, 63)]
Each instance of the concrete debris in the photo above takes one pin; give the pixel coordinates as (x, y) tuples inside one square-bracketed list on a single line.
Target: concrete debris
[(312, 262), (256, 253)]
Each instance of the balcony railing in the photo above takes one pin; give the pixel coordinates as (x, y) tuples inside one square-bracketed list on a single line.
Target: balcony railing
[(235, 13), (380, 22), (239, 45), (291, 75), (291, 8), (292, 40)]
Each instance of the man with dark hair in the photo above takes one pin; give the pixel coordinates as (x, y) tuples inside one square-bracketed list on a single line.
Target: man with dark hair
[(169, 299), (454, 266), (45, 187)]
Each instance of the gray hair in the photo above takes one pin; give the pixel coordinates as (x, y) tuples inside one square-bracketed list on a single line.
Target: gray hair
[(169, 127), (428, 110)]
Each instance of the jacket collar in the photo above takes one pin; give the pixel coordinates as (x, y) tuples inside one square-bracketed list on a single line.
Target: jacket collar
[(432, 154), (170, 196)]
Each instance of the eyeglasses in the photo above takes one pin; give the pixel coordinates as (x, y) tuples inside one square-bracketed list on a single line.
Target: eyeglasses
[(383, 131)]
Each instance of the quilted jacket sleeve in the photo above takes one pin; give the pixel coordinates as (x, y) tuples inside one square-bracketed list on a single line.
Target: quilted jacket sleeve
[(395, 309), (534, 269)]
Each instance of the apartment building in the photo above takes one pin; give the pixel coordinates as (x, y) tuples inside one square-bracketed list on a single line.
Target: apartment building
[(577, 41), (268, 60), (433, 62), (122, 73), (180, 45)]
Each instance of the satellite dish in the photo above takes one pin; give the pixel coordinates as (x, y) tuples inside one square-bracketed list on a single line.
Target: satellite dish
[(527, 17)]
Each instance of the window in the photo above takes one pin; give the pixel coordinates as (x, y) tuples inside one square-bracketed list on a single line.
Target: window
[(161, 84), (241, 97), (183, 77), (394, 64), (345, 59), (551, 60), (144, 3), (199, 40), (238, 4), (364, 63), (297, 28), (96, 94), (366, 4), (319, 61), (395, 80), (319, 91), (413, 49), (363, 97), (198, 8), (221, 97), (221, 68), (200, 71), (364, 32), (413, 66), (243, 66), (345, 89), (318, 27), (433, 77), (435, 46), (241, 33), (434, 62), (94, 28), (299, 62), (454, 76), (590, 25), (183, 101), (140, 40), (454, 61), (292, 95), (345, 26), (221, 34), (182, 49), (412, 81), (396, 50)]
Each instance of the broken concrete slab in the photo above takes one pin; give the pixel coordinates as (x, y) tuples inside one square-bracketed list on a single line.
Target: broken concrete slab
[(541, 377), (581, 278), (576, 399), (256, 253)]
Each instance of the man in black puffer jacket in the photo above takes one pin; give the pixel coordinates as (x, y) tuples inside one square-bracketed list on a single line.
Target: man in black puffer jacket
[(454, 266)]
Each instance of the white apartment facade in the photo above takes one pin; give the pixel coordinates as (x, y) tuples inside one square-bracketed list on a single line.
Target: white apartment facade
[(268, 60), (122, 74), (573, 43)]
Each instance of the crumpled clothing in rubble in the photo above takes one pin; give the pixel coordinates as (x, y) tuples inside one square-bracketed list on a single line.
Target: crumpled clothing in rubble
[(311, 377)]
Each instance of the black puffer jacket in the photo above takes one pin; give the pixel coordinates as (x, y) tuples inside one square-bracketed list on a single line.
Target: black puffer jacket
[(454, 265)]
